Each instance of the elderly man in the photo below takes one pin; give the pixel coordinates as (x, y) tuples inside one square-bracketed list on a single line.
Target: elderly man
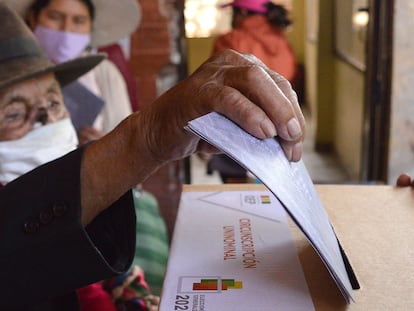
[(71, 222), (66, 29)]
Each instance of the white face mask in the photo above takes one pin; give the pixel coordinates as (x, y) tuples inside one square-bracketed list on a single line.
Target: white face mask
[(61, 46), (39, 146)]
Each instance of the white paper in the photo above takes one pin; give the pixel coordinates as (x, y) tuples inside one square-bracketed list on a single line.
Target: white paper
[(233, 251), (288, 181)]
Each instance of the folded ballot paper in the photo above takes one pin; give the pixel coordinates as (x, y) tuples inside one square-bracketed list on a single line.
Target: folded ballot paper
[(289, 182)]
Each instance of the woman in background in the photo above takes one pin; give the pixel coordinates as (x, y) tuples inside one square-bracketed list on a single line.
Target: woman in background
[(258, 28)]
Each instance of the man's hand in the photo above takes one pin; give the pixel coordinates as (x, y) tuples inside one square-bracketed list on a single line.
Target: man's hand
[(238, 86)]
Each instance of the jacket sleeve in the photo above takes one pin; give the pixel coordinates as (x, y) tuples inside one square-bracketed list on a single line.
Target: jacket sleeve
[(44, 249)]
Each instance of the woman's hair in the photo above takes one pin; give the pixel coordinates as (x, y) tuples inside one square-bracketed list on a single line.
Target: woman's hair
[(276, 15), (38, 5)]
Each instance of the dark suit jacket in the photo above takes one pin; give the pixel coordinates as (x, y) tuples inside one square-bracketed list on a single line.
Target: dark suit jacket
[(45, 253)]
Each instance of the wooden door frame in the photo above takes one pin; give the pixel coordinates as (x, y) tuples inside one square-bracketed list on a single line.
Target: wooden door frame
[(378, 78)]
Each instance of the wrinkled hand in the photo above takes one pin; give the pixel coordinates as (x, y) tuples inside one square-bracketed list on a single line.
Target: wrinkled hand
[(404, 180), (238, 86)]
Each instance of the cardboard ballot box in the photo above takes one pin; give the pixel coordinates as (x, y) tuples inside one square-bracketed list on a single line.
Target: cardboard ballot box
[(262, 271)]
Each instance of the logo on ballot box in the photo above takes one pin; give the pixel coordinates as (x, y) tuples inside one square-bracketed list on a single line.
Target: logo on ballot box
[(251, 199), (213, 284)]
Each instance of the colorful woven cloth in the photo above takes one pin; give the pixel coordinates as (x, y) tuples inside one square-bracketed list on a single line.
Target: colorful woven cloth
[(95, 298), (130, 292), (151, 253), (126, 292)]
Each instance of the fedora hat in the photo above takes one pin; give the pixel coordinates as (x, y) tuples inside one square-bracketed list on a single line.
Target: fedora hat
[(114, 19), (21, 57)]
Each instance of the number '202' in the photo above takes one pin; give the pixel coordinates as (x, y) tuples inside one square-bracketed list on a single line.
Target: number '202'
[(181, 302)]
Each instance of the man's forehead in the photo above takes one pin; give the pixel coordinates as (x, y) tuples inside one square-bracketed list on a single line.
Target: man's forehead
[(32, 87)]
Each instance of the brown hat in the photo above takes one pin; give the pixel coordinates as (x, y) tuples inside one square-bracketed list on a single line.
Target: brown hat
[(114, 19), (21, 57)]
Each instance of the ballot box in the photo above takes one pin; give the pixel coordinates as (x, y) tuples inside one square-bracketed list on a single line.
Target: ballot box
[(234, 249)]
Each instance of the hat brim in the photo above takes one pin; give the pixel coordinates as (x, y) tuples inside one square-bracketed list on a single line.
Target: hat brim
[(65, 72), (114, 20)]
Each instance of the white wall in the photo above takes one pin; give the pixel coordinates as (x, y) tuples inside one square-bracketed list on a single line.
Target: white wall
[(401, 151)]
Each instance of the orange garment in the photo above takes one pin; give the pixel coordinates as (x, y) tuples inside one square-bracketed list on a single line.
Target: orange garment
[(256, 36)]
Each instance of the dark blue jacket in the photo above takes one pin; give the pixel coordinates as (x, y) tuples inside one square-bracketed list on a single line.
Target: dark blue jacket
[(45, 252)]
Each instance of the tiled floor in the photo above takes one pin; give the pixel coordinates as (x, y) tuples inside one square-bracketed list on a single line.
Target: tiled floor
[(322, 167)]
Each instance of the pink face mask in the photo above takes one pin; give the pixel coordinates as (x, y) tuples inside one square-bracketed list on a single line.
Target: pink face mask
[(61, 46)]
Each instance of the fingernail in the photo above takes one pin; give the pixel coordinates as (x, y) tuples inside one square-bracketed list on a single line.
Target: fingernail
[(297, 151), (294, 129), (268, 128), (288, 152)]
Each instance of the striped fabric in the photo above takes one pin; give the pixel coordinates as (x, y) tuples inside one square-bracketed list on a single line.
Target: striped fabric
[(152, 240)]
